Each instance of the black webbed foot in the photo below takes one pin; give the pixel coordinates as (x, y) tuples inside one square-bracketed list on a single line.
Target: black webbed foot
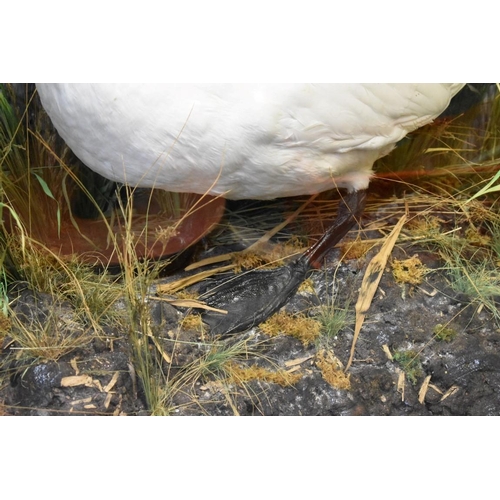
[(252, 297)]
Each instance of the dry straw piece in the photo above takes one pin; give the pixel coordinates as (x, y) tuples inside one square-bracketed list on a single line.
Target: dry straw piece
[(370, 282)]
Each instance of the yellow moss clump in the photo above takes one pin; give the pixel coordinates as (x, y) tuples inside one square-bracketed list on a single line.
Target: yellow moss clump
[(477, 212), (186, 295), (283, 250), (193, 322), (353, 250), (333, 370), (246, 260), (5, 324), (474, 237), (307, 286), (410, 270), (425, 226), (305, 329), (267, 254), (239, 375)]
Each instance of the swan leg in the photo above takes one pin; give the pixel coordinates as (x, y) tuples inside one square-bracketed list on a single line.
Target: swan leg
[(350, 210), (252, 297)]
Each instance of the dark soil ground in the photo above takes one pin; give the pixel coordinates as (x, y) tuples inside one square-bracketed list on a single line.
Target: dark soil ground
[(402, 366)]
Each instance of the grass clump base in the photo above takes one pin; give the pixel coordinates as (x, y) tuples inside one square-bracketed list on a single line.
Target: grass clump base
[(409, 362), (333, 320), (444, 333)]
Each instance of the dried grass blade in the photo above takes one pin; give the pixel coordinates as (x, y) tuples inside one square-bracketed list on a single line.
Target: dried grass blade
[(452, 390), (401, 384), (177, 285), (76, 380), (195, 304), (111, 383), (163, 354), (371, 280), (423, 389), (211, 260)]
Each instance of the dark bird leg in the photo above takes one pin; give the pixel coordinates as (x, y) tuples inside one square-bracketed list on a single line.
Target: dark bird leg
[(252, 297)]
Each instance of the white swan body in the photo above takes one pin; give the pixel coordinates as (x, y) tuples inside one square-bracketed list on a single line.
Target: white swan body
[(239, 140)]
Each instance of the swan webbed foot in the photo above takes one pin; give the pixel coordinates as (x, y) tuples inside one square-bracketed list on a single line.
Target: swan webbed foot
[(250, 298)]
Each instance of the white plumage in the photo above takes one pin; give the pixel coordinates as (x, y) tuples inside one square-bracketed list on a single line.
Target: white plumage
[(239, 140)]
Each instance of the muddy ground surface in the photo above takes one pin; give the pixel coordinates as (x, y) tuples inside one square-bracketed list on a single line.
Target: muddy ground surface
[(401, 365)]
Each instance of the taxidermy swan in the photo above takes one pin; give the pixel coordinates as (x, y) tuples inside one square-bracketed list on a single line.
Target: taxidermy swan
[(239, 141)]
